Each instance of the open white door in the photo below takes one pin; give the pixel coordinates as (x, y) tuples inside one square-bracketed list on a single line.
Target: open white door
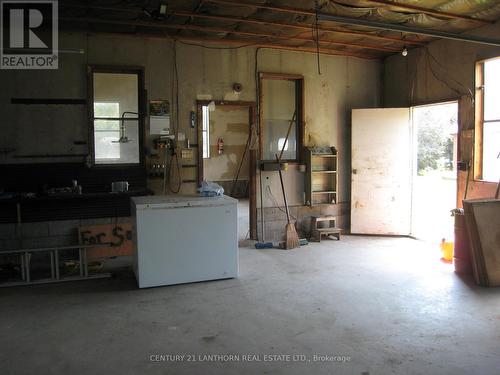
[(381, 171)]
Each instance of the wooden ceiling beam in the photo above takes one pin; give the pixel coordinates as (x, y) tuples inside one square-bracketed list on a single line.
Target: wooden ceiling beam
[(432, 12), (239, 42), (365, 22), (242, 43), (218, 30), (307, 12), (272, 8), (246, 20), (410, 29), (236, 43), (294, 26)]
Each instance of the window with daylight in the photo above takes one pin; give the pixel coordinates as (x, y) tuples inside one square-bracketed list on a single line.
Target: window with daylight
[(115, 115), (281, 112), (205, 113), (106, 131), (487, 136)]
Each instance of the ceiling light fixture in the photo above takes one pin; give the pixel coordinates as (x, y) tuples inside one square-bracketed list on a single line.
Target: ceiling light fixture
[(404, 52)]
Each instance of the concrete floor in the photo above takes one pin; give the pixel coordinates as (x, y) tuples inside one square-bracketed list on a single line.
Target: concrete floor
[(387, 303)]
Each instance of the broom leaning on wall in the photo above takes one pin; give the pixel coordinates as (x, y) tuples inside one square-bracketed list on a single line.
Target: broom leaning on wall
[(291, 236)]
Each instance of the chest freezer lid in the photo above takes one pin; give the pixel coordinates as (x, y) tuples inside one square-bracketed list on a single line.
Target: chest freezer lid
[(179, 201)]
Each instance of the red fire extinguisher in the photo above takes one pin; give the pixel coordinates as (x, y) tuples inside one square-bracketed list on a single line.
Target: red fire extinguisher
[(220, 145)]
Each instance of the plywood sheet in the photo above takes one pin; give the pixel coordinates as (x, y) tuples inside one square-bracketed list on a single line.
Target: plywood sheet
[(118, 235), (483, 222)]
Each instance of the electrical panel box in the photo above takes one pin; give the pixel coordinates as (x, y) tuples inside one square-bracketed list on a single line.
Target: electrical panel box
[(159, 125)]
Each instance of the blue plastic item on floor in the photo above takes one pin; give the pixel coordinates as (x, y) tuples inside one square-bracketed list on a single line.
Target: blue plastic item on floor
[(264, 245)]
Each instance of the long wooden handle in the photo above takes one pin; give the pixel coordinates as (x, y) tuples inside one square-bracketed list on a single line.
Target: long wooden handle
[(283, 190), (288, 133)]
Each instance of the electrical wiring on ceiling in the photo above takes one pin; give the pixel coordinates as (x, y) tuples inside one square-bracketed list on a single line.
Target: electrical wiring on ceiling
[(429, 59), (413, 81), (219, 48), (316, 26)]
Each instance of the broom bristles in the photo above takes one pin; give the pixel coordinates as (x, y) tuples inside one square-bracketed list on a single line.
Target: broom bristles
[(292, 238)]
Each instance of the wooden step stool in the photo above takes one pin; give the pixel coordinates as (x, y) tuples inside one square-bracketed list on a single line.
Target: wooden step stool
[(331, 230)]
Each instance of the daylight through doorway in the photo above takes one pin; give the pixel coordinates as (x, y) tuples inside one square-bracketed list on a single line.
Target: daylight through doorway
[(435, 130)]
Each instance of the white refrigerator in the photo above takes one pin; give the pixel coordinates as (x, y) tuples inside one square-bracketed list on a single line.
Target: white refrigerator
[(182, 239)]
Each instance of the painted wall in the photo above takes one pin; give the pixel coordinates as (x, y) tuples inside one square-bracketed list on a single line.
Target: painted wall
[(233, 126), (54, 129), (446, 72), (344, 83)]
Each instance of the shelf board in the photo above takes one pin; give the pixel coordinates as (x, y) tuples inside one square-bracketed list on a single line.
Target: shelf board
[(326, 171), (324, 192), (324, 156), (329, 230)]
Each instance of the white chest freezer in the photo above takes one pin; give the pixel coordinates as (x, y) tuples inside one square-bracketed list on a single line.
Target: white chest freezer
[(182, 239)]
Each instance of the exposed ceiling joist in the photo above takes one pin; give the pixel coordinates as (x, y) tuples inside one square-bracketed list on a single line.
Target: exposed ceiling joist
[(294, 26), (257, 43), (304, 12), (409, 29), (240, 44), (243, 43), (249, 21), (432, 12), (219, 30), (400, 5), (368, 23)]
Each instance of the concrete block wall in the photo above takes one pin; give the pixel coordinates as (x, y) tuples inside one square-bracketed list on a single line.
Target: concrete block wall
[(275, 219), (47, 233)]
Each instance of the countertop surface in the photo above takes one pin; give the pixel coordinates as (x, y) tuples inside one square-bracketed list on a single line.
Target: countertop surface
[(59, 196)]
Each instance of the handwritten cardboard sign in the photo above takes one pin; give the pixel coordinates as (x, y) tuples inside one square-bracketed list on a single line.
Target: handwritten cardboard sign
[(118, 235)]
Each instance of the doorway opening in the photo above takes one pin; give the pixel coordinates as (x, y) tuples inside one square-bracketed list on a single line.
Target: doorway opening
[(226, 158), (434, 190)]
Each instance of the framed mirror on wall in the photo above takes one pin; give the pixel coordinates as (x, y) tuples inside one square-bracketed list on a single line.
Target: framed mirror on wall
[(116, 115)]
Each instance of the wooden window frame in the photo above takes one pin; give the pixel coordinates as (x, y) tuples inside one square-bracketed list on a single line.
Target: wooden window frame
[(479, 118), (117, 69), (300, 118)]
